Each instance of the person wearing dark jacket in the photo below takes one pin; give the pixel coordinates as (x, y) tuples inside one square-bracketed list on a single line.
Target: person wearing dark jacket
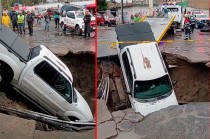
[(87, 20), (14, 20), (30, 20)]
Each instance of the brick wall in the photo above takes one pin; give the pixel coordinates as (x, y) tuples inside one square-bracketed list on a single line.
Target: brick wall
[(200, 4)]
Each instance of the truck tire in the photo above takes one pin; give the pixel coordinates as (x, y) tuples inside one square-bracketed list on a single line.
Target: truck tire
[(173, 31), (4, 79), (77, 30)]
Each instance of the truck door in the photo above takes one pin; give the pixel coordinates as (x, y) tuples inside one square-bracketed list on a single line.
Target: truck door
[(70, 19)]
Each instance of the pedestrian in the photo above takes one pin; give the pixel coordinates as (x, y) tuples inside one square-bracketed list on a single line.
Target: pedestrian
[(6, 20), (187, 27), (165, 11), (20, 21), (106, 20), (57, 19), (136, 18), (24, 23), (47, 19), (30, 20), (39, 17), (87, 19), (14, 20), (132, 17), (5, 11)]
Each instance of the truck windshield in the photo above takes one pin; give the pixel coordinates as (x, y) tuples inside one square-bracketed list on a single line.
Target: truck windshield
[(80, 15), (152, 88), (173, 9)]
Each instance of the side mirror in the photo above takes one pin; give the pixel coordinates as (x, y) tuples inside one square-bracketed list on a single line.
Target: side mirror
[(174, 83)]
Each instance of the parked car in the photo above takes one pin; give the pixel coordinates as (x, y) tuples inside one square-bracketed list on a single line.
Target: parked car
[(201, 19), (75, 23), (111, 20), (41, 77), (100, 19)]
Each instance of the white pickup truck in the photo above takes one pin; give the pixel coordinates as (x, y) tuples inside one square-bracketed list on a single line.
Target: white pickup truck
[(74, 22), (41, 77), (146, 78)]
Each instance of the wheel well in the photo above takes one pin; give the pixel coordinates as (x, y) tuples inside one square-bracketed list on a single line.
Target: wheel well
[(72, 118), (7, 69)]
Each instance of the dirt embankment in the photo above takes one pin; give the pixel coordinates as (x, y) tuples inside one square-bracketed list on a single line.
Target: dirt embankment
[(192, 80)]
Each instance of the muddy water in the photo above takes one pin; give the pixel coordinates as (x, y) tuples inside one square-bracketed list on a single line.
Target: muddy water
[(82, 69)]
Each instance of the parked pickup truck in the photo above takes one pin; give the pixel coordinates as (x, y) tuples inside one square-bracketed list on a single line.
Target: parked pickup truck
[(41, 77), (74, 22)]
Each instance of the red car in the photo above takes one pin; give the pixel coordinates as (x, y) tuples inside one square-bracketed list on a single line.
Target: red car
[(112, 20), (100, 19)]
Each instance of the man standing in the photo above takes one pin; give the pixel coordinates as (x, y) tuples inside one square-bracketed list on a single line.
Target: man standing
[(20, 21), (87, 20), (24, 24), (47, 19), (6, 20), (30, 20), (14, 20)]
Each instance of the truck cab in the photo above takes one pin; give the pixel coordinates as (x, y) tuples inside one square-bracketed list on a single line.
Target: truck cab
[(174, 10)]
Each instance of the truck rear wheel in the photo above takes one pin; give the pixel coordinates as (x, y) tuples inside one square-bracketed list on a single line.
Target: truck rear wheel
[(6, 74), (77, 30), (4, 79)]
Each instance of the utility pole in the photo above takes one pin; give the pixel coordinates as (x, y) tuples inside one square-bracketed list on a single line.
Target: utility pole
[(122, 17), (151, 8)]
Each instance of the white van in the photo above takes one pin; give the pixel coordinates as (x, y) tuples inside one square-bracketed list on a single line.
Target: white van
[(146, 78), (174, 10)]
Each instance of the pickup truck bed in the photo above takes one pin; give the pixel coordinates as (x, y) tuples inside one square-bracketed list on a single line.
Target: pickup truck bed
[(14, 44)]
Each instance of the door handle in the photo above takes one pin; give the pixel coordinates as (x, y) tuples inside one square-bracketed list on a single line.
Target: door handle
[(30, 75), (51, 92)]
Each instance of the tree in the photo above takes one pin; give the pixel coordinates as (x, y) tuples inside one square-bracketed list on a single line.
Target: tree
[(102, 5)]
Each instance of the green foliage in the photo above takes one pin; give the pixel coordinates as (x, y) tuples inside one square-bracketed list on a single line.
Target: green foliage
[(102, 5)]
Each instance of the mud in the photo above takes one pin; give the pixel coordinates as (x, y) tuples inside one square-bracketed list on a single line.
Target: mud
[(192, 79)]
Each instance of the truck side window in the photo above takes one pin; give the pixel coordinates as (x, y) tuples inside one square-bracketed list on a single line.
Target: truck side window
[(70, 15), (45, 71), (127, 70), (52, 77), (63, 87)]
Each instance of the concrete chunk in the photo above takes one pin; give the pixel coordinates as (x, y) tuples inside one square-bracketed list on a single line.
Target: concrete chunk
[(103, 112), (12, 127), (119, 87), (107, 130)]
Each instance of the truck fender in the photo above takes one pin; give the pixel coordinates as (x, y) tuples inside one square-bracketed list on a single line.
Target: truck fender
[(75, 114), (12, 64)]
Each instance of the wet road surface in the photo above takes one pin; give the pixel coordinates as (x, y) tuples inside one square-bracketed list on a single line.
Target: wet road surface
[(59, 42), (197, 51)]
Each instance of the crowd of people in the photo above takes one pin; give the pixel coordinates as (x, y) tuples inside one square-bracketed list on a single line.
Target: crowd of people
[(18, 20)]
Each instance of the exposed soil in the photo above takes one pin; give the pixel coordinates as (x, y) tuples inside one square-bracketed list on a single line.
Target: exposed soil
[(192, 80)]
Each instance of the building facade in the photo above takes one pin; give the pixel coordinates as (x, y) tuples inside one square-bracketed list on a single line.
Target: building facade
[(198, 4)]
